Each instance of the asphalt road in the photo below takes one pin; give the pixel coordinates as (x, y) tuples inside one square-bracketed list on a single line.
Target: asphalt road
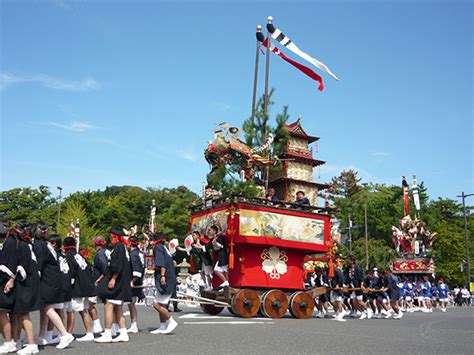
[(416, 333)]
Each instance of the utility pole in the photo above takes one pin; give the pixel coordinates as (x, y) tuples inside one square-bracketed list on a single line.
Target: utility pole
[(466, 239)]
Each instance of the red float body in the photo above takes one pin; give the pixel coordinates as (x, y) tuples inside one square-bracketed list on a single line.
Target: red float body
[(261, 261)]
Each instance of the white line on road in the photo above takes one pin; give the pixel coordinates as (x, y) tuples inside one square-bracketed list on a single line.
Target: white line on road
[(236, 322)]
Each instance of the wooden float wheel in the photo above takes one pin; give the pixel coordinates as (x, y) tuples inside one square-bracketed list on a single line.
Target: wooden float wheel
[(274, 304), (211, 309), (301, 305), (245, 303)]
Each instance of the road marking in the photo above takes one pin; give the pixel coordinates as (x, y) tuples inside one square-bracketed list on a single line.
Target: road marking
[(199, 316), (236, 322)]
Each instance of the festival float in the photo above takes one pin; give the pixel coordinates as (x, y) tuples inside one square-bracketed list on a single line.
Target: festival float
[(268, 241), (412, 239)]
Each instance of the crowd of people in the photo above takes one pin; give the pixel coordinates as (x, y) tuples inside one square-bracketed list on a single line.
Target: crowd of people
[(32, 258), (379, 293)]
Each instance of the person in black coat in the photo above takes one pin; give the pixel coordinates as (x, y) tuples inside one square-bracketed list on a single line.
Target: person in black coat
[(137, 262), (219, 245), (8, 266), (201, 248), (65, 287), (355, 278), (82, 287), (51, 292), (115, 288), (100, 271), (27, 282), (165, 283), (301, 200), (319, 279), (39, 233), (337, 282)]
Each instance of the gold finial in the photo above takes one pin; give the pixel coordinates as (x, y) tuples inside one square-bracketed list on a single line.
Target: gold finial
[(259, 28)]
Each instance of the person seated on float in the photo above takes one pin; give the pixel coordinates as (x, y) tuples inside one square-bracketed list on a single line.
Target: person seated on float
[(301, 200), (218, 244), (272, 200)]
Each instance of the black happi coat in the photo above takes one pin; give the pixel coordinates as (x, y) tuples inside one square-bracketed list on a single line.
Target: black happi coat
[(82, 278), (50, 289), (27, 282), (204, 255), (8, 266), (354, 276), (120, 264), (222, 256), (163, 259), (338, 279), (65, 272), (101, 263), (137, 262)]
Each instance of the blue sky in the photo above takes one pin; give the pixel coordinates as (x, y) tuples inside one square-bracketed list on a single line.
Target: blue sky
[(99, 93)]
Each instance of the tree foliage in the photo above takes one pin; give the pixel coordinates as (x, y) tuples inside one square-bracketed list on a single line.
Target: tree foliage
[(385, 208), (257, 133), (99, 210)]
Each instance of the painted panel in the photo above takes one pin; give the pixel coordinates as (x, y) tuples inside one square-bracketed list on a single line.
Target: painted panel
[(202, 223), (272, 225)]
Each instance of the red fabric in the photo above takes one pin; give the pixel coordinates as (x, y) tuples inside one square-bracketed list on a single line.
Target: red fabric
[(406, 199), (116, 239), (299, 66)]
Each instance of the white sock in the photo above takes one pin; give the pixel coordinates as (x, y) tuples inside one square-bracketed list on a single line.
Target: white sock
[(134, 324), (97, 322), (49, 335), (108, 333), (163, 325), (123, 330)]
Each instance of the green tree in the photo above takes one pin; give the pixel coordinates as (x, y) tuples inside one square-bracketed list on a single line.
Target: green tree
[(29, 204), (73, 212), (380, 253), (257, 133), (445, 217)]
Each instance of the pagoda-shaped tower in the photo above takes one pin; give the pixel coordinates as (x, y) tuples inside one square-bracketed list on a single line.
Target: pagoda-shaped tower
[(298, 164)]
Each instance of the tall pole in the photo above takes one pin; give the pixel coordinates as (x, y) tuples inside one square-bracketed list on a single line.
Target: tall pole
[(267, 74), (59, 208), (265, 106), (466, 239), (350, 234), (366, 240), (255, 79)]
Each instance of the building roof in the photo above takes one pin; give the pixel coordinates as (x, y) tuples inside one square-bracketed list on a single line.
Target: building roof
[(300, 156), (315, 184), (296, 130)]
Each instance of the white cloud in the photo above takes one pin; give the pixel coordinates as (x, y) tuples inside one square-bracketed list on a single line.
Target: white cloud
[(49, 82), (186, 155), (74, 126)]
